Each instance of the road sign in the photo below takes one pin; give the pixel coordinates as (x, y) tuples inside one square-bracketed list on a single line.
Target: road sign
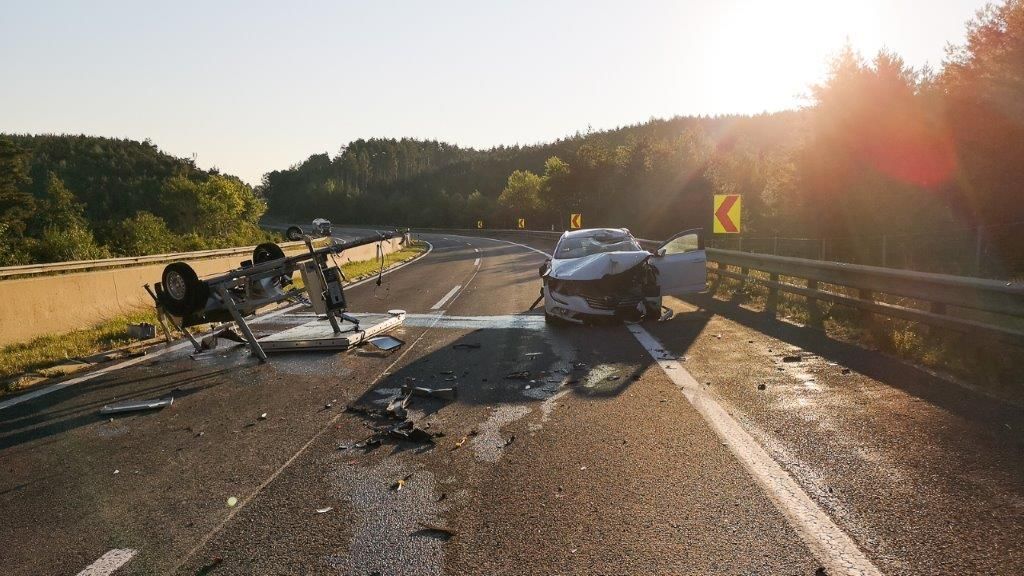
[(575, 221), (521, 224), (479, 223), (727, 214)]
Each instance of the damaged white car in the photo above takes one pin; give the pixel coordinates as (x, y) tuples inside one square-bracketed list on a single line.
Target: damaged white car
[(604, 273)]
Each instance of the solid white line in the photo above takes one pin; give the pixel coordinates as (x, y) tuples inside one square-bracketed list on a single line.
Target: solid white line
[(832, 547), (109, 562), (446, 297), (476, 262), (150, 355)]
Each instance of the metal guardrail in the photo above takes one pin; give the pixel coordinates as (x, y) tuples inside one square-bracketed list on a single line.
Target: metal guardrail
[(999, 305), (107, 263)]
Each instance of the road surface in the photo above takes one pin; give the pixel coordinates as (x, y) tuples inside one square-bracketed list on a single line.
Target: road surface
[(680, 447)]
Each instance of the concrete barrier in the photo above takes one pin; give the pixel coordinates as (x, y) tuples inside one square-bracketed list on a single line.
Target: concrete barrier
[(50, 304)]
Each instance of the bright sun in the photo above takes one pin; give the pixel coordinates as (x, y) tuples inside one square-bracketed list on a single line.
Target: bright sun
[(765, 55)]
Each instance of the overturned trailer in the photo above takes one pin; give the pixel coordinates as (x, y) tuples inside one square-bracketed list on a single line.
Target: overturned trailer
[(187, 300)]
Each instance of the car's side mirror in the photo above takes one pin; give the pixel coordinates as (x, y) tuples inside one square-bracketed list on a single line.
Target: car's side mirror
[(660, 252), (544, 267)]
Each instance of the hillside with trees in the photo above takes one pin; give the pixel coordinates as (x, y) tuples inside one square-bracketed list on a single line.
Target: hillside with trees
[(81, 197), (926, 159)]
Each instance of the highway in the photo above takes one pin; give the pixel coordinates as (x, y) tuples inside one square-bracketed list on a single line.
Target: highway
[(680, 447)]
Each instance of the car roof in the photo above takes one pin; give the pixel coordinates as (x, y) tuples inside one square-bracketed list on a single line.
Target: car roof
[(587, 232)]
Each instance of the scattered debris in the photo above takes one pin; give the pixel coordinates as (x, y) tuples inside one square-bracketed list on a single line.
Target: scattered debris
[(397, 407), (792, 358), (761, 386), (750, 341), (613, 377), (263, 416), (579, 366), (143, 331), (117, 471), (136, 405), (441, 497), (845, 370), (510, 440), (450, 379), (435, 531), (232, 501), (583, 467), (324, 510), (821, 571), (400, 483), (519, 375), (460, 442), (442, 393), (718, 336), (465, 346), (533, 354), (448, 372), (386, 343)]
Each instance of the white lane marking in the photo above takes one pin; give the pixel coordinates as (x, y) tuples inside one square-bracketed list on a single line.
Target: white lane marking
[(476, 250), (330, 425), (150, 355), (446, 297), (498, 322), (833, 548), (109, 562), (476, 262)]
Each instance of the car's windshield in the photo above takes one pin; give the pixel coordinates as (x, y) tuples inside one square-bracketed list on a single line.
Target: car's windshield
[(579, 246)]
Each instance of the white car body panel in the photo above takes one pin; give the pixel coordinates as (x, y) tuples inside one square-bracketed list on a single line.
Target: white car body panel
[(679, 273)]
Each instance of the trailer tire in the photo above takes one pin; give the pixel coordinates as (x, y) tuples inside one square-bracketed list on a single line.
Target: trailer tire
[(182, 291), (266, 252), (293, 233)]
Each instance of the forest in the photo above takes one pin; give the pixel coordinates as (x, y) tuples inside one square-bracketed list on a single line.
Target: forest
[(918, 166), (81, 198), (926, 159)]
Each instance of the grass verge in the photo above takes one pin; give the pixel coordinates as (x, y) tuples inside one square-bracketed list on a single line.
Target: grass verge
[(977, 361), (46, 351)]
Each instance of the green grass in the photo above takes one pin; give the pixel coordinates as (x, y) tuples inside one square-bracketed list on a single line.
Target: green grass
[(45, 351), (975, 360)]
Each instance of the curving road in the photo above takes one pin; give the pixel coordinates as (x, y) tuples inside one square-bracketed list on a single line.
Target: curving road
[(647, 449)]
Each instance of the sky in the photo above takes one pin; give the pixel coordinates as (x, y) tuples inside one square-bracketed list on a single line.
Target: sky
[(250, 87)]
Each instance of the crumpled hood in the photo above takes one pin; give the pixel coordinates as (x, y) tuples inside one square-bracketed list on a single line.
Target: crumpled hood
[(596, 266)]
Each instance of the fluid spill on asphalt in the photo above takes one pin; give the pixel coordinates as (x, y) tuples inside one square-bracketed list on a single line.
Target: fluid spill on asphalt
[(489, 444), (384, 538)]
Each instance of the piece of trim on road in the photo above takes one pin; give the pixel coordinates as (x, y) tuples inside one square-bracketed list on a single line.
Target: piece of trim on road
[(829, 544), (446, 297), (109, 562)]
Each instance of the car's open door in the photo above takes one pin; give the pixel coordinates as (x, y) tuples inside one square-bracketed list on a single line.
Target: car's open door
[(682, 264)]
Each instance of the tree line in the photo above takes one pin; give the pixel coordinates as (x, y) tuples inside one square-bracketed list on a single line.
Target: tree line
[(79, 198), (880, 148)]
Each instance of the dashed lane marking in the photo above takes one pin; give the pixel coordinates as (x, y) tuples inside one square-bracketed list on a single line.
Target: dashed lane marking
[(109, 562), (446, 297), (476, 262), (829, 544)]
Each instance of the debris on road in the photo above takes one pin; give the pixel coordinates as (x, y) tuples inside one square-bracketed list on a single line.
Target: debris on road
[(232, 501), (761, 386), (441, 393), (397, 407), (136, 405), (386, 343), (518, 375), (142, 331), (465, 346), (792, 358), (263, 416), (400, 483), (533, 354), (435, 531), (845, 370), (510, 440), (324, 510)]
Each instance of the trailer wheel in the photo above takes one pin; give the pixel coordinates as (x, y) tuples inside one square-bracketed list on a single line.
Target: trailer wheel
[(293, 233), (183, 292), (266, 252)]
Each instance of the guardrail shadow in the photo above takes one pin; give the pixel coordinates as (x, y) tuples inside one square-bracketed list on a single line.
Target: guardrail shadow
[(888, 370)]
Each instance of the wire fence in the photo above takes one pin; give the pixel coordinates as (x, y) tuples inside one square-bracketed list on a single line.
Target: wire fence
[(995, 251)]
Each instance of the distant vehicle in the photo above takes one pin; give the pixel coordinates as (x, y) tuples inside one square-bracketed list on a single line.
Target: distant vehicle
[(604, 273), (321, 227)]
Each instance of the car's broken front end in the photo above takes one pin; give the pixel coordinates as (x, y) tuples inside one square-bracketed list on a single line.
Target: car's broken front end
[(631, 294)]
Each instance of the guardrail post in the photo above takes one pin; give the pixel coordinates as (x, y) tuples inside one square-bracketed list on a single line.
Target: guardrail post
[(866, 317), (813, 307), (772, 304)]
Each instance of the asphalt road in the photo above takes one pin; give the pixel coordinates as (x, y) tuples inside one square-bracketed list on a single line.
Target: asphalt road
[(647, 449)]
